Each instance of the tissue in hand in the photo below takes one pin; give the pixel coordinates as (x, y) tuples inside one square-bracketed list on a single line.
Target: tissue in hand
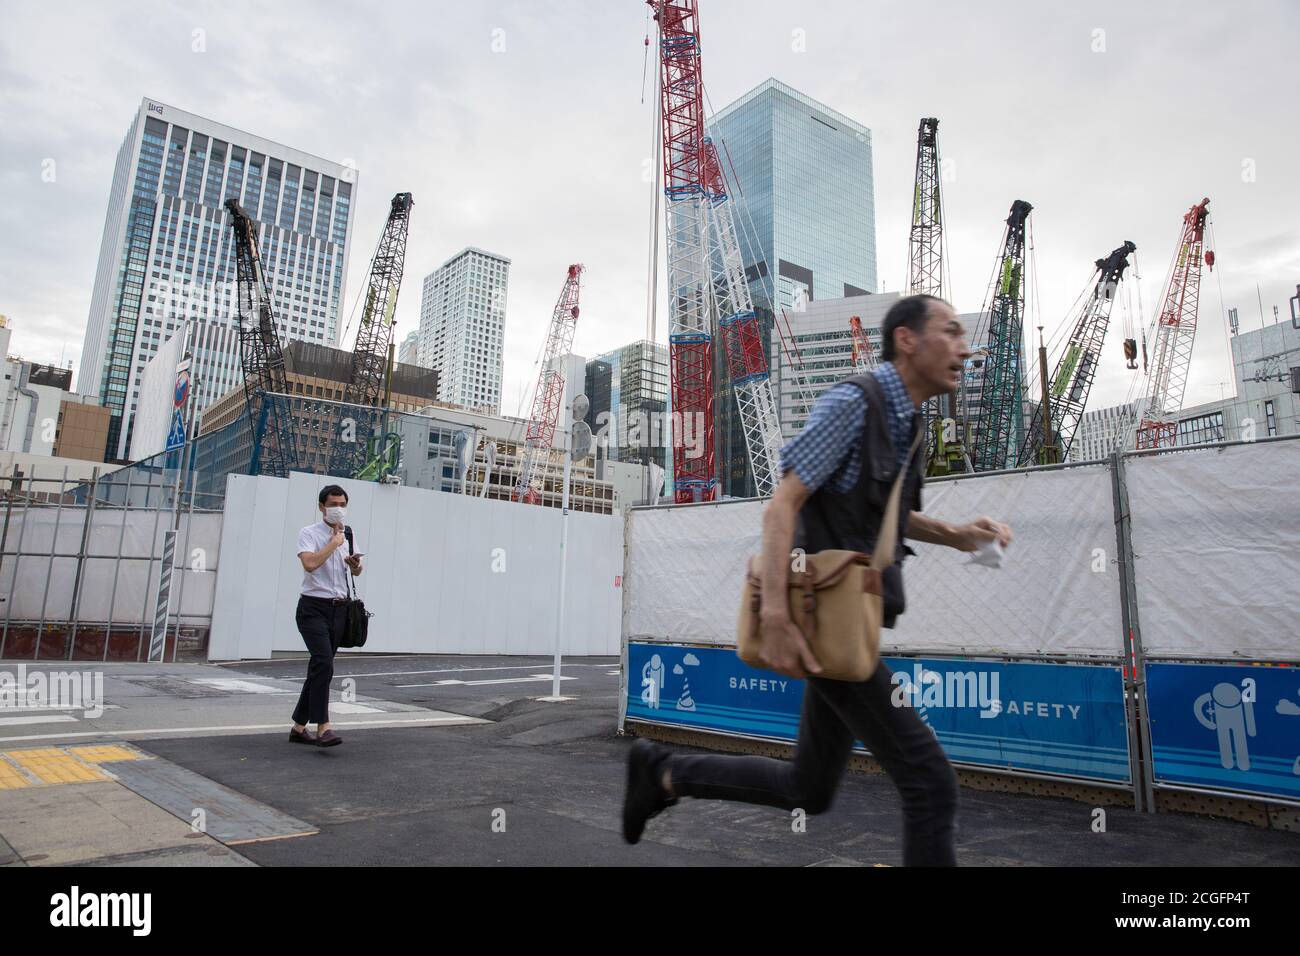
[(989, 555)]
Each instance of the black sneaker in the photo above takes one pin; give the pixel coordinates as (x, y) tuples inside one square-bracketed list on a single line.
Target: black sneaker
[(645, 796)]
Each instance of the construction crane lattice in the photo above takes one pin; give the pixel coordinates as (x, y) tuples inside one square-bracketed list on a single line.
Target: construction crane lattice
[(548, 397), (261, 356), (1175, 332), (351, 449), (1067, 392), (999, 423)]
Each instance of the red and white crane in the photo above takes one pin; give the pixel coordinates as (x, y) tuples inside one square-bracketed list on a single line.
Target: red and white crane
[(864, 356), (540, 437), (690, 338), (1174, 333), (742, 344), (707, 286)]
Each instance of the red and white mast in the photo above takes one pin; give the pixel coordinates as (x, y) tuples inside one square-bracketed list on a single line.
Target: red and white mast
[(864, 356), (550, 389), (1175, 330), (690, 339)]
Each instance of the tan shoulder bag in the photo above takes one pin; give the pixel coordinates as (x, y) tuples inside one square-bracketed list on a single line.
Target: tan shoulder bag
[(836, 601)]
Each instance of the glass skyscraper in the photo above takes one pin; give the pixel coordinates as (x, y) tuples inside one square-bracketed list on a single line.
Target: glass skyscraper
[(166, 260), (628, 394), (800, 176)]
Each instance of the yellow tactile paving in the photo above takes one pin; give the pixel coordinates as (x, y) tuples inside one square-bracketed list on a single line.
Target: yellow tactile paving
[(52, 766), (105, 754), (11, 778)]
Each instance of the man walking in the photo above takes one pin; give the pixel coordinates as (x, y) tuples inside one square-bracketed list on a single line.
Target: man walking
[(322, 611), (837, 474)]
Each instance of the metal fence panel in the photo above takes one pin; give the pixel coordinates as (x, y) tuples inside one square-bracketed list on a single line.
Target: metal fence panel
[(1216, 537), (1057, 592)]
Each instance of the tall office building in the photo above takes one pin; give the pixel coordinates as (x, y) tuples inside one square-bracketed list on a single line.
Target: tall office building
[(801, 179), (166, 258), (628, 392), (462, 325)]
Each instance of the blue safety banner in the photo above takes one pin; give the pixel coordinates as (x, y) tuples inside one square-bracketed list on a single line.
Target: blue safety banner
[(1065, 719), (1227, 726)]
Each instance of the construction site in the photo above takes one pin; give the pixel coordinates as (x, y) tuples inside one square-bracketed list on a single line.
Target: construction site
[(1135, 651)]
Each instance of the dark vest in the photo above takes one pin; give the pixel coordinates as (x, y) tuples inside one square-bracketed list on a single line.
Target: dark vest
[(851, 521)]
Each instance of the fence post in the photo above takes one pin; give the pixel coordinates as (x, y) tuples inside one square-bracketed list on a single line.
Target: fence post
[(4, 541), (1139, 728), (18, 548), (81, 563)]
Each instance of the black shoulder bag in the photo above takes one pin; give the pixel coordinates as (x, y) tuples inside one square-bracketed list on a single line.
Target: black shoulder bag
[(358, 624)]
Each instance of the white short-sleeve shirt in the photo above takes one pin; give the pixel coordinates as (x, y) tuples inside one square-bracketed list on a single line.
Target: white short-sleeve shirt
[(330, 580)]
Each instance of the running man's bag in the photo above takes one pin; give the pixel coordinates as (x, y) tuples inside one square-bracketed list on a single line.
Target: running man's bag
[(835, 601), (358, 618)]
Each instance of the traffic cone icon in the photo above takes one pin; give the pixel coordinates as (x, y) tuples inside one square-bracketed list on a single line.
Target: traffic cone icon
[(686, 702)]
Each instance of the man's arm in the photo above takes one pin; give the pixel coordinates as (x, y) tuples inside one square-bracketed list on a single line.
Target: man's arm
[(311, 560), (785, 650), (965, 537), (833, 428)]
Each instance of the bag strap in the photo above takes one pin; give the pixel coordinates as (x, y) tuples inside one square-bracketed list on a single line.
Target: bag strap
[(883, 555), (352, 588)]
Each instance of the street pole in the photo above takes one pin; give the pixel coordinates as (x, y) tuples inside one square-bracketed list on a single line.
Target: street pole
[(577, 445), (564, 546)]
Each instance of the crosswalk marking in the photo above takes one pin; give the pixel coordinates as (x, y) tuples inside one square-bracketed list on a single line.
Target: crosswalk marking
[(341, 707), (501, 680), (239, 686), (37, 719)]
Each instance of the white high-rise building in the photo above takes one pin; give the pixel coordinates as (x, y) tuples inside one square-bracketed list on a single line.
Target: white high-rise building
[(166, 257), (462, 326), (1102, 431)]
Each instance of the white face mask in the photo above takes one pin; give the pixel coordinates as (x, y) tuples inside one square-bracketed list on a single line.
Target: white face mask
[(336, 514)]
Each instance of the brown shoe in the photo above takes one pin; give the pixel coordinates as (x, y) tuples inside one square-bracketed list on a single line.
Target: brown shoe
[(301, 737), (329, 739)]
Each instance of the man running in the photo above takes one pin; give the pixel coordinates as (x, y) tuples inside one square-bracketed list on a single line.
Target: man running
[(837, 474)]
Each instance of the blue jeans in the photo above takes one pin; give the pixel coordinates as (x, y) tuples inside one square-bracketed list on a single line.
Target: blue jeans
[(834, 714)]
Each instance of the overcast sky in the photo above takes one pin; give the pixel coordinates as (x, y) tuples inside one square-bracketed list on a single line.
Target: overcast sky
[(520, 128)]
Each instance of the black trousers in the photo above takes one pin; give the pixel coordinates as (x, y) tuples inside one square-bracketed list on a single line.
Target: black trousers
[(834, 713), (321, 624)]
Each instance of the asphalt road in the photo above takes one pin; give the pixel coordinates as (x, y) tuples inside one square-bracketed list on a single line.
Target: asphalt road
[(541, 783)]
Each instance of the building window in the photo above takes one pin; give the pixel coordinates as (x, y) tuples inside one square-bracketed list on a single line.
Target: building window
[(1270, 417)]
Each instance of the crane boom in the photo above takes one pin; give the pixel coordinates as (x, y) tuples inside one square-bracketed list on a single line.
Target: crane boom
[(742, 345), (1000, 420), (944, 446), (365, 386), (863, 355), (540, 437), (925, 243), (1175, 332), (690, 338), (1067, 393), (260, 354)]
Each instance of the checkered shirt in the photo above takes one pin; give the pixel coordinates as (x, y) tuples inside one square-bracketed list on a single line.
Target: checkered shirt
[(829, 449)]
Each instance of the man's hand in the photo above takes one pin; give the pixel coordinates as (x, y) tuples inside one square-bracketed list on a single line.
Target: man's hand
[(975, 534), (354, 562), (337, 539), (785, 649)]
